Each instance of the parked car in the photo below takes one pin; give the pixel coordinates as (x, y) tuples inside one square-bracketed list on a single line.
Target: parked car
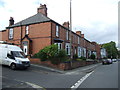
[(106, 61), (114, 60)]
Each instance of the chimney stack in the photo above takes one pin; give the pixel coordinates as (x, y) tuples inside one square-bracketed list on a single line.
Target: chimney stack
[(78, 33), (42, 9), (66, 24), (82, 35), (11, 21)]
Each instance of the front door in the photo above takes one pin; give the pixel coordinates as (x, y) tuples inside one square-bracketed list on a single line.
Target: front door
[(25, 47), (25, 50)]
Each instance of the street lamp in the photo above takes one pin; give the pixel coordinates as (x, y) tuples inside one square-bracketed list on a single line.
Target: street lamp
[(71, 29)]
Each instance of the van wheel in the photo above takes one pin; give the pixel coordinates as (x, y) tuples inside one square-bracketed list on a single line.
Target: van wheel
[(13, 66)]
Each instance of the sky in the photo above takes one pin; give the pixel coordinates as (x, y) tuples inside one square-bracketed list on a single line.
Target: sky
[(97, 19)]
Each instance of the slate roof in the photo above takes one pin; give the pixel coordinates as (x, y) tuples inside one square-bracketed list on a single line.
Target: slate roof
[(37, 18)]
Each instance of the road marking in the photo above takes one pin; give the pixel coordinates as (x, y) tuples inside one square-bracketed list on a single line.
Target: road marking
[(79, 82), (34, 85), (28, 83), (89, 67)]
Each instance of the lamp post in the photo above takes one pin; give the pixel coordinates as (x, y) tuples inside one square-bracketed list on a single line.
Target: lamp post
[(71, 32), (71, 29)]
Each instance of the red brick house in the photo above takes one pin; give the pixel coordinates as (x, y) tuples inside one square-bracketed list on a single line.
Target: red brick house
[(38, 31)]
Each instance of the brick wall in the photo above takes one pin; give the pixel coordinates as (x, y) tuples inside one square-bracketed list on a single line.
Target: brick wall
[(62, 66), (40, 34), (47, 63)]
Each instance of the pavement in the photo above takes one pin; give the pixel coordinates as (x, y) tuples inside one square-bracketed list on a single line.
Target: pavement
[(85, 69), (13, 84)]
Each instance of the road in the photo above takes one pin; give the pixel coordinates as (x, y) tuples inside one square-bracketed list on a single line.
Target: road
[(104, 76)]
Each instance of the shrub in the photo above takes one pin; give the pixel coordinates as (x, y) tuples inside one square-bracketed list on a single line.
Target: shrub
[(92, 56), (53, 54), (75, 56), (78, 59), (83, 58)]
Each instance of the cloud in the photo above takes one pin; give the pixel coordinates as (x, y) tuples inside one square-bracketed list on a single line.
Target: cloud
[(2, 3), (97, 19), (18, 9)]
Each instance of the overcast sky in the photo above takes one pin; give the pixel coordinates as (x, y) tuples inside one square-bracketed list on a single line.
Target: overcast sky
[(97, 19)]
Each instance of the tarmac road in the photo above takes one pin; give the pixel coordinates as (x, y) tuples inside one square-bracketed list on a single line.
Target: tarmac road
[(40, 77)]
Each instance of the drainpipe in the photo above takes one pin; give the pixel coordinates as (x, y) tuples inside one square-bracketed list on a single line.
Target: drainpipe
[(21, 35)]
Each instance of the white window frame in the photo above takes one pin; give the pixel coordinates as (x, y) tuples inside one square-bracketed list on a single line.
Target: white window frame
[(11, 33), (78, 40), (67, 35), (67, 46), (27, 30), (57, 30), (84, 49), (79, 52), (59, 45)]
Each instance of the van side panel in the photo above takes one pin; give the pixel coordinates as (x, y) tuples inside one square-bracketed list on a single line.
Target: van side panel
[(3, 55), (0, 55)]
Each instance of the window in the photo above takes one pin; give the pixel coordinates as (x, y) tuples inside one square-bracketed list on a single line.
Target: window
[(11, 33), (79, 52), (78, 40), (67, 35), (84, 50), (75, 50), (59, 45), (57, 31), (67, 47), (27, 28)]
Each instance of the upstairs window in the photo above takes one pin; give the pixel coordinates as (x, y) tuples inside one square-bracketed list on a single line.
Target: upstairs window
[(57, 30), (11, 33), (27, 30), (67, 35)]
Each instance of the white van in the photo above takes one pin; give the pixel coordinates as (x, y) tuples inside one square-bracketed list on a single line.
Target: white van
[(13, 56)]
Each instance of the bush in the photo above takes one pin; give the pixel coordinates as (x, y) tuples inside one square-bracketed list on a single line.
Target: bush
[(92, 56), (53, 54), (78, 59), (75, 56), (83, 58)]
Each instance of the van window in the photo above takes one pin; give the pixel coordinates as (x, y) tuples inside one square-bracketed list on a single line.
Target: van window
[(18, 54)]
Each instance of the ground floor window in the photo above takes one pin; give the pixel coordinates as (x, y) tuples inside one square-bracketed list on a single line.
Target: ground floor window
[(59, 45), (84, 52), (89, 53), (67, 48), (79, 52)]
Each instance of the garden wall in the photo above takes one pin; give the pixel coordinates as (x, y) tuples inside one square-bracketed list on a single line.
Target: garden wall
[(62, 66)]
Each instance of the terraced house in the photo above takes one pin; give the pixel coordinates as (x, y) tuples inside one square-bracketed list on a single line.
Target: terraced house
[(39, 31)]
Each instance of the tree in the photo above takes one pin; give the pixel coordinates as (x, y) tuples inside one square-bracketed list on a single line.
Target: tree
[(111, 49)]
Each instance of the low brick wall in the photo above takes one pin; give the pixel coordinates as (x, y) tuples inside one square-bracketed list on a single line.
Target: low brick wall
[(76, 64), (62, 66), (47, 63)]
